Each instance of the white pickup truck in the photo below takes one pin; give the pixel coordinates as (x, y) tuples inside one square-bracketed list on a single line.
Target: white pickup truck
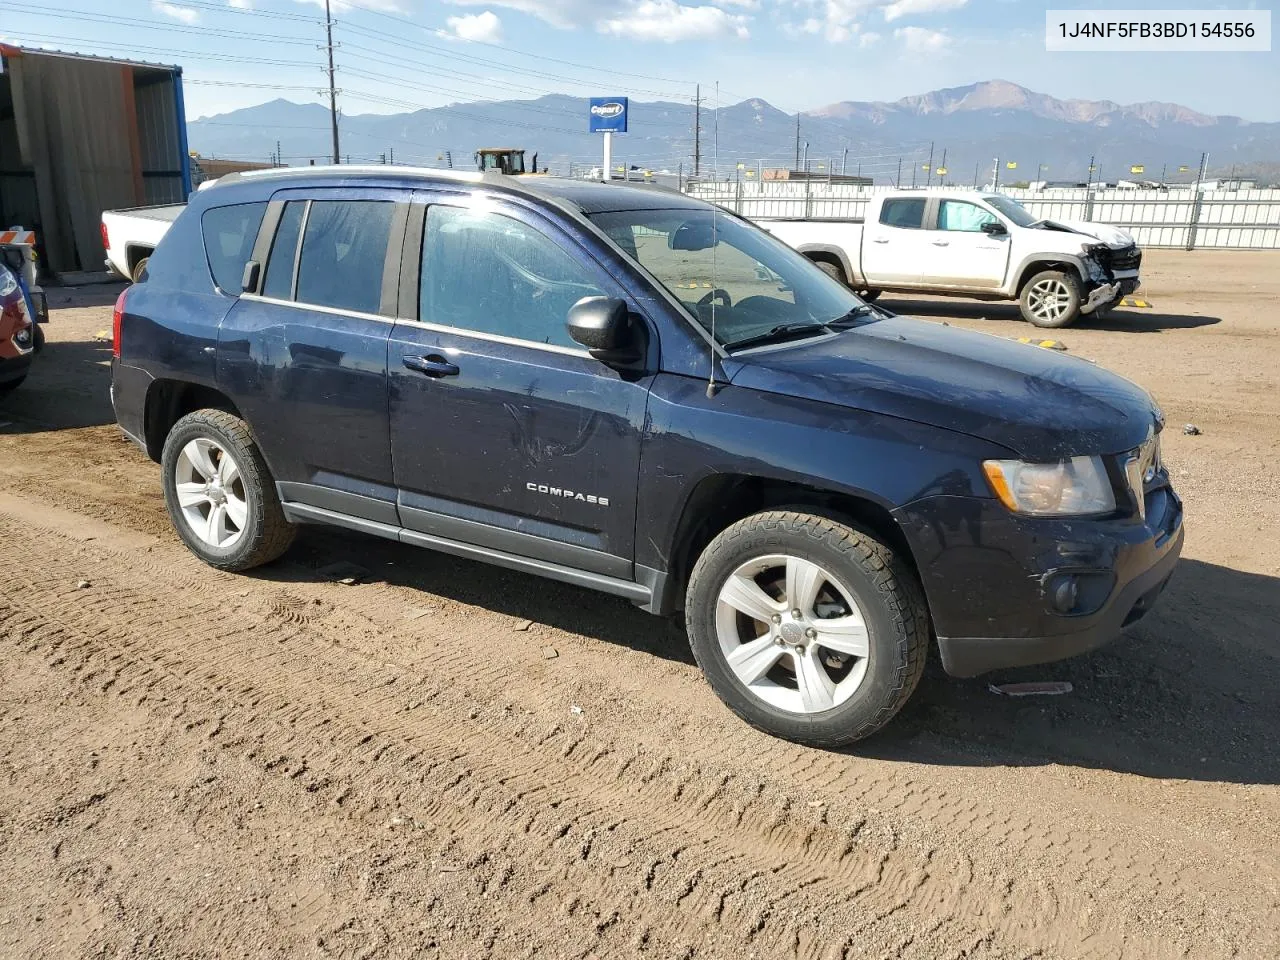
[(130, 236), (972, 244)]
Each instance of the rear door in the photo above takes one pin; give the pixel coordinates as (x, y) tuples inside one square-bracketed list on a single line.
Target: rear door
[(891, 243), (957, 252), (304, 354), (504, 432)]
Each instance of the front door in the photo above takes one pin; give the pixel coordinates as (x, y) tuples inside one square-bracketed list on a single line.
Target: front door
[(958, 253), (504, 432)]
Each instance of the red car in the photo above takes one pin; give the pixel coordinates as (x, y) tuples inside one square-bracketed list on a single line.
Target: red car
[(17, 332)]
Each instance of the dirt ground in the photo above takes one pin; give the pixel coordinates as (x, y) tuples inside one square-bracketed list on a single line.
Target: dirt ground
[(451, 760)]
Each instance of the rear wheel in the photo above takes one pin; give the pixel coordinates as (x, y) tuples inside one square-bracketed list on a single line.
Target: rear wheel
[(807, 628), (832, 270), (869, 295), (220, 494), (1051, 299), (139, 269)]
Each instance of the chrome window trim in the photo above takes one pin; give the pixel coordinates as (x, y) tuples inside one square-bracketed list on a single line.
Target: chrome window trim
[(434, 327)]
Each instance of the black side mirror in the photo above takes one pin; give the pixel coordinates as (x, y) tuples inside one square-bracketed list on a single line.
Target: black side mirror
[(603, 325), (994, 228)]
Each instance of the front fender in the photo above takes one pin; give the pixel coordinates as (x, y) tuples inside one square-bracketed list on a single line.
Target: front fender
[(741, 432)]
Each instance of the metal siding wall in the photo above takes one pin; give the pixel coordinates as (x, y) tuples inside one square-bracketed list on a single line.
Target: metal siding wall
[(1228, 219), (159, 139)]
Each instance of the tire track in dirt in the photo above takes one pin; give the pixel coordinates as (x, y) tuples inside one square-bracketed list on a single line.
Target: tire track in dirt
[(369, 723)]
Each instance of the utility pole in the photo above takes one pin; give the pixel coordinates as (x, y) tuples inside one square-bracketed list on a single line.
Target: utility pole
[(995, 174), (333, 93), (697, 130), (797, 139), (844, 161), (943, 166), (897, 181), (1089, 182), (391, 155), (976, 168), (929, 175), (279, 163)]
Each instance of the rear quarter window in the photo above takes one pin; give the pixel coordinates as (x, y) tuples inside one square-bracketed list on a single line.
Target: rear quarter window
[(903, 212), (229, 235)]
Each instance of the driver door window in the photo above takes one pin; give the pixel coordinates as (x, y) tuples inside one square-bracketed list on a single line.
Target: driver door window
[(492, 274), (958, 215)]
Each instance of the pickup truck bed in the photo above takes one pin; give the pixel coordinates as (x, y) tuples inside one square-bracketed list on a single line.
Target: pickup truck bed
[(130, 235)]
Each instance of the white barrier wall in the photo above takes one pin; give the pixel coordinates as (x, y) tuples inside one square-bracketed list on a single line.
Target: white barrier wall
[(1177, 217)]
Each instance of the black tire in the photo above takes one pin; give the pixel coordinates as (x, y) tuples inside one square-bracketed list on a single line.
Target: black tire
[(832, 270), (266, 533), (1068, 311), (138, 269), (870, 295), (884, 588), (37, 337)]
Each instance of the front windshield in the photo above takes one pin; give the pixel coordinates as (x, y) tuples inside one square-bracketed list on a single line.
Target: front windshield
[(1011, 209), (747, 284)]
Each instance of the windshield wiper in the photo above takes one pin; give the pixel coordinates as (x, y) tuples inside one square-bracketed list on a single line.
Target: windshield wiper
[(861, 312), (781, 332)]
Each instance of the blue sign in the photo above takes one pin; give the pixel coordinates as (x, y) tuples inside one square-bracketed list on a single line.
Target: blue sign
[(608, 114)]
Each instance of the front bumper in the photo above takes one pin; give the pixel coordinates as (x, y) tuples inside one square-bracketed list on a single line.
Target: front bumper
[(992, 579), (1100, 296)]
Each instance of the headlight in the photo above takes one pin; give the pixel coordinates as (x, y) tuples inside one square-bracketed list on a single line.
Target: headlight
[(8, 283), (1067, 488)]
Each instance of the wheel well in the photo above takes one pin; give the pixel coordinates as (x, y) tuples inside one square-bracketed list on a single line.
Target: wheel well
[(134, 253), (168, 401), (1031, 269), (720, 501)]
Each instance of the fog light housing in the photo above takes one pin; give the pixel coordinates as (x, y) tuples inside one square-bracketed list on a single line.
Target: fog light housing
[(1064, 594)]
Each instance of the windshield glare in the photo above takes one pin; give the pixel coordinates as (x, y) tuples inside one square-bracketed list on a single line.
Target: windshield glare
[(1011, 209), (746, 285)]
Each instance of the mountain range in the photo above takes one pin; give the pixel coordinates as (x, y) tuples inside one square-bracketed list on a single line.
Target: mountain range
[(972, 124)]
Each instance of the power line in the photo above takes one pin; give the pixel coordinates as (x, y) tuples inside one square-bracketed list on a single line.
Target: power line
[(87, 16)]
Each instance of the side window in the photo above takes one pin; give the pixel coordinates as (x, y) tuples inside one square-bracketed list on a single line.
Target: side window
[(344, 250), (279, 280), (960, 215), (902, 212), (229, 234), (490, 273)]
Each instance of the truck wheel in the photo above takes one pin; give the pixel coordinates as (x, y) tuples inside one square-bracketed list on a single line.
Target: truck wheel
[(807, 628), (138, 269), (220, 494), (869, 295), (1051, 299), (832, 270)]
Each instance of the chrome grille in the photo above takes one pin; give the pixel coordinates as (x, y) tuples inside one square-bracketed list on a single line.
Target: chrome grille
[(1142, 467)]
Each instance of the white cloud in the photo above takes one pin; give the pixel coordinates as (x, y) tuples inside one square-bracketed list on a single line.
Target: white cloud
[(920, 40), (908, 8), (183, 14), (240, 4), (485, 27), (669, 21), (337, 6), (868, 39)]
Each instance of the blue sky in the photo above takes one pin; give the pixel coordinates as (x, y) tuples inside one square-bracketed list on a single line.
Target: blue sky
[(797, 54)]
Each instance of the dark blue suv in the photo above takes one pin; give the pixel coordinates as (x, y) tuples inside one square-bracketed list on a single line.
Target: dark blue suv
[(627, 389)]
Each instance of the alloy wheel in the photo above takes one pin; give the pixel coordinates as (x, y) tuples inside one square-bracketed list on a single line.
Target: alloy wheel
[(211, 493), (792, 633), (1049, 299)]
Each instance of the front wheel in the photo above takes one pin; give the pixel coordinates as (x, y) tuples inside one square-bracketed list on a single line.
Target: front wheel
[(1051, 299), (220, 494), (806, 627)]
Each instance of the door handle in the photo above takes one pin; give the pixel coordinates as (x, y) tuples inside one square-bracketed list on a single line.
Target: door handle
[(433, 365), (942, 243), (879, 240)]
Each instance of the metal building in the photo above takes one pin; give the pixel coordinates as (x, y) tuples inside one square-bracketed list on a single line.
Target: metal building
[(79, 135)]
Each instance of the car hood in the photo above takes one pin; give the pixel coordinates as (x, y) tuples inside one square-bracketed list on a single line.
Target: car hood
[(1035, 401), (1113, 237)]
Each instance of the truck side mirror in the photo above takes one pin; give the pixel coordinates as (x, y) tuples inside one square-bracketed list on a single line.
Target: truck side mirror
[(603, 325), (994, 228)]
